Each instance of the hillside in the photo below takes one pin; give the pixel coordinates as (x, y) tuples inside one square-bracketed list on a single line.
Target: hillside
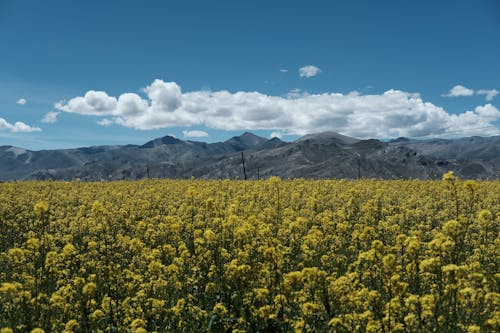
[(321, 155)]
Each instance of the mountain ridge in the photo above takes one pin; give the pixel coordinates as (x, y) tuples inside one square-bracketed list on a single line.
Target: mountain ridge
[(317, 155)]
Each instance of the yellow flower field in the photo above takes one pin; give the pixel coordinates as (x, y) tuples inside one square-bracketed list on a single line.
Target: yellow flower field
[(250, 256)]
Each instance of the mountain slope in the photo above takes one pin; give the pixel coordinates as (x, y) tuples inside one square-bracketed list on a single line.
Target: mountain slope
[(320, 155), (325, 137), (246, 141)]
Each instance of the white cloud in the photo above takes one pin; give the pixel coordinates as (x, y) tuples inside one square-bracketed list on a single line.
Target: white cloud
[(296, 93), (17, 127), (278, 135), (489, 94), (391, 114), (21, 101), (488, 111), (195, 134), (309, 71), (459, 90), (105, 122), (50, 117), (96, 103), (284, 70), (164, 96)]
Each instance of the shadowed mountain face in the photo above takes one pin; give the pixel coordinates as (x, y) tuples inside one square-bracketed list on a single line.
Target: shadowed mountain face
[(320, 155)]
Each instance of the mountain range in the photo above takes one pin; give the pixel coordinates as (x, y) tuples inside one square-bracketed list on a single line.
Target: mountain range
[(321, 155)]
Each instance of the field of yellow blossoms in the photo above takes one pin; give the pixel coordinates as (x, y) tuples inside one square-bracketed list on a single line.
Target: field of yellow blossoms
[(250, 256)]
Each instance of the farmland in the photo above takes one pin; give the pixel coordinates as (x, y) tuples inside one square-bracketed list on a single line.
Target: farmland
[(250, 256)]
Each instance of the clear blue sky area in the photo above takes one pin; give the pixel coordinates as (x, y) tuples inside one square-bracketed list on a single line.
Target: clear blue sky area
[(286, 68)]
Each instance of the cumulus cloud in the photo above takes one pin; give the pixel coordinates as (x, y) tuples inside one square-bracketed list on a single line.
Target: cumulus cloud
[(488, 111), (195, 134), (96, 103), (393, 113), (21, 101), (489, 94), (459, 90), (50, 117), (309, 71), (165, 96), (17, 127)]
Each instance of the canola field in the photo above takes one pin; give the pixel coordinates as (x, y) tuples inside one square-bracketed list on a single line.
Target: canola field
[(250, 256)]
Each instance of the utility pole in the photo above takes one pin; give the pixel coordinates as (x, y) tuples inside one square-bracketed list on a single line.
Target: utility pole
[(258, 173), (243, 163), (359, 164)]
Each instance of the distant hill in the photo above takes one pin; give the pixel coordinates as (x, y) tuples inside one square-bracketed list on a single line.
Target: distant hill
[(320, 155), (329, 137)]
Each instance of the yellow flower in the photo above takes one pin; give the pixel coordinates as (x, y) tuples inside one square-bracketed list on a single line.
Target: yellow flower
[(72, 325), (210, 236), (69, 250), (261, 294), (10, 289), (473, 329), (449, 177), (219, 310), (96, 315), (310, 309), (33, 244), (89, 289), (37, 330), (294, 279), (137, 323), (17, 255), (171, 254), (41, 208)]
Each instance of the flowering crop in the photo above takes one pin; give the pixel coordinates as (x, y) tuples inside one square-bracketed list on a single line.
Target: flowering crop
[(250, 256)]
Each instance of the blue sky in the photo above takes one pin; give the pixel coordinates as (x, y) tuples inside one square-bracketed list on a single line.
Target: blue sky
[(81, 73)]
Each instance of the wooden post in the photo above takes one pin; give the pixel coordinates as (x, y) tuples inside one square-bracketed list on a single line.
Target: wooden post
[(243, 163)]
